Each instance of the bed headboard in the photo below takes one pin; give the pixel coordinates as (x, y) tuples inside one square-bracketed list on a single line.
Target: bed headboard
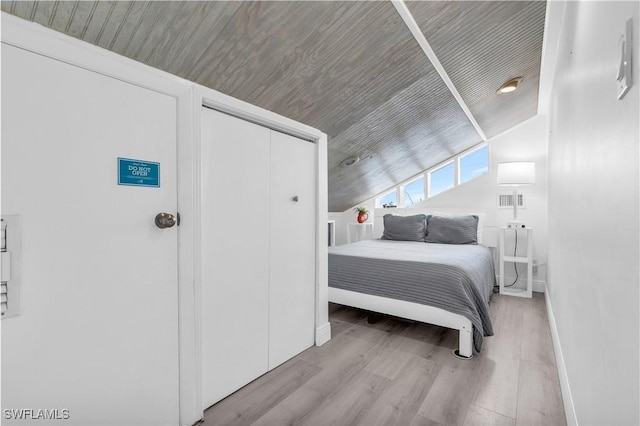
[(486, 234)]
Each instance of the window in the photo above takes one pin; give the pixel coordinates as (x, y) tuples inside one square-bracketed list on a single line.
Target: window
[(390, 199), (457, 170), (442, 179), (473, 164), (413, 192)]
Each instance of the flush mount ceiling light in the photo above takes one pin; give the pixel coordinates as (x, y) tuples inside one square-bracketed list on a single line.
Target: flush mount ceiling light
[(509, 86), (349, 161)]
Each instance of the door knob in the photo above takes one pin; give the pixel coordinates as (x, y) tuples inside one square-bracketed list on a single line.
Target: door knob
[(295, 198), (165, 220)]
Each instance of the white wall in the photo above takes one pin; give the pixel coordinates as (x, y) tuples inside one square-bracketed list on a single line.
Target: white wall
[(525, 142), (593, 275)]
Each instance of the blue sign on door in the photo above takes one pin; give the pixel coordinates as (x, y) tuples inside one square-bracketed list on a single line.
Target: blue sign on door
[(138, 173)]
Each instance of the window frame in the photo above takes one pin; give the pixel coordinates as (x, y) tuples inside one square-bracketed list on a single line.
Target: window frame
[(467, 153), (379, 205), (426, 175), (406, 183), (441, 166)]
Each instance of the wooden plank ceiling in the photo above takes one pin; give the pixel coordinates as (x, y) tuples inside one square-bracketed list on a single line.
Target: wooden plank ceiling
[(351, 69)]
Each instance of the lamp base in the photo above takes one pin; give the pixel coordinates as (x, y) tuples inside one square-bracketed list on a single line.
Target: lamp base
[(516, 224)]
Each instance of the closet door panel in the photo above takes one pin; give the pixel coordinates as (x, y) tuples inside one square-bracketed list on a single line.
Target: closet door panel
[(293, 241), (235, 253)]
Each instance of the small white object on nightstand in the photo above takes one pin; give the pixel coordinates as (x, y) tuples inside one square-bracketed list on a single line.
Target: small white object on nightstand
[(359, 231), (528, 259)]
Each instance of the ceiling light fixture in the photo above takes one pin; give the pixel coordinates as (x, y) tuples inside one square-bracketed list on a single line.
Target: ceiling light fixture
[(349, 161), (509, 86)]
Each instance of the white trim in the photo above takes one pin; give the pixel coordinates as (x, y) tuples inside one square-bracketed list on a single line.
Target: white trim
[(195, 400), (323, 328), (569, 409), (323, 334), (409, 310), (223, 103), (411, 23)]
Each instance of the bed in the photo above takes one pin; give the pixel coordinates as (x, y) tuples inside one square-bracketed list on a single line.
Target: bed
[(425, 268)]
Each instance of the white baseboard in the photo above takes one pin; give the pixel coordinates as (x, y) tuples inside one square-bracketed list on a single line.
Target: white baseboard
[(569, 409), (323, 334), (539, 286)]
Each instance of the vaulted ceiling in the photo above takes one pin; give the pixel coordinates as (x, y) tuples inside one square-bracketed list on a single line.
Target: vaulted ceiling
[(351, 69)]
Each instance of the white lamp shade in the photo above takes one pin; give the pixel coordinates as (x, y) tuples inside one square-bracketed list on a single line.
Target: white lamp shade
[(517, 173)]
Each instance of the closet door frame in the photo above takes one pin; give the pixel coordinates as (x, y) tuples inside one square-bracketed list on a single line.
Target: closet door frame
[(223, 103)]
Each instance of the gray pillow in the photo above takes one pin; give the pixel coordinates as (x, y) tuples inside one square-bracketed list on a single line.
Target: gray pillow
[(404, 228), (452, 230)]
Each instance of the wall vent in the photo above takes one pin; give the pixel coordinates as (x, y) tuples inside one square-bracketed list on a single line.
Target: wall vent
[(505, 201)]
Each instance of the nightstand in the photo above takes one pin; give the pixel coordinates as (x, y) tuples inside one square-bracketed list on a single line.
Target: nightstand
[(527, 259), (359, 231)]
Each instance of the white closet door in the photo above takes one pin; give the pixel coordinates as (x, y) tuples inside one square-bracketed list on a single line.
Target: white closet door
[(235, 253), (293, 240)]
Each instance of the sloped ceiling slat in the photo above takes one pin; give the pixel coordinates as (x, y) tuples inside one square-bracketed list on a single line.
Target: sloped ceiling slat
[(481, 45), (351, 69)]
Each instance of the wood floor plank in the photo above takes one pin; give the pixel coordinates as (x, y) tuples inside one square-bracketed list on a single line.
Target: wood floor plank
[(507, 318), (478, 416), (538, 346), (292, 409), (398, 372), (350, 404), (497, 388), (343, 348), (450, 395), (438, 336), (262, 394), (388, 362), (400, 402), (338, 326), (418, 420), (539, 395)]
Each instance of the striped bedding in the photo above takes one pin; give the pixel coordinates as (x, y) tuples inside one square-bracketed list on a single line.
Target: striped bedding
[(456, 278)]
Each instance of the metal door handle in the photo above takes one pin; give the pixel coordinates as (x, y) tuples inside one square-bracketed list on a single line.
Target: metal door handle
[(295, 198), (165, 220)]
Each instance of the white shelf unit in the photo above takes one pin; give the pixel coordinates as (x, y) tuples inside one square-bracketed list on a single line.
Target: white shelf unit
[(528, 260), (359, 231)]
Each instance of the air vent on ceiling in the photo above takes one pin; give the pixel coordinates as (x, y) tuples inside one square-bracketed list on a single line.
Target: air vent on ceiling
[(505, 201)]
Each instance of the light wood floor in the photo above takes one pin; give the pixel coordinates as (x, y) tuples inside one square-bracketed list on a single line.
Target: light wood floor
[(398, 372)]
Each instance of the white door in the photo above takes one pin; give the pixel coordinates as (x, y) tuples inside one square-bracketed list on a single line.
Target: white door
[(235, 253), (97, 334), (292, 247)]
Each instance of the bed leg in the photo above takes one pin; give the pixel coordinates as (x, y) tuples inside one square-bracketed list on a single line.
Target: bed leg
[(465, 344)]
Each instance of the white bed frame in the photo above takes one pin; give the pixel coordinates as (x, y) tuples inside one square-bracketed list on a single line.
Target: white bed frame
[(412, 311)]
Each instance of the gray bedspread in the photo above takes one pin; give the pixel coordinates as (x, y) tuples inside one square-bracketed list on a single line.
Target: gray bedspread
[(457, 278)]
